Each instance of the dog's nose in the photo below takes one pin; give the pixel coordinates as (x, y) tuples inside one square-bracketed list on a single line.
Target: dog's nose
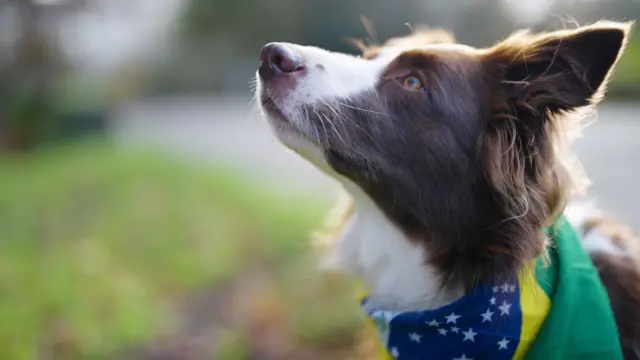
[(278, 59)]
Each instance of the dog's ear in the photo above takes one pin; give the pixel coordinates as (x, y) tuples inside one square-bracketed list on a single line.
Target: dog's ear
[(533, 79), (557, 71)]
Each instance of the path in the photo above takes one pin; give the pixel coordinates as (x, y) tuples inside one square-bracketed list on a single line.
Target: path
[(226, 130)]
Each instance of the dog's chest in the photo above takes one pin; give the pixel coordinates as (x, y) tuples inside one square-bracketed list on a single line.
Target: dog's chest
[(392, 268)]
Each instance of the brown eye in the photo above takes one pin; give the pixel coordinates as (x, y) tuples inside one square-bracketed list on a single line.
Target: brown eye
[(412, 82)]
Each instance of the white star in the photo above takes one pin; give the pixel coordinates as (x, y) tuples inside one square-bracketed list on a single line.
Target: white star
[(433, 323), (415, 337), (487, 315), (443, 331), (463, 357), (504, 308), (505, 288), (452, 318), (492, 300), (469, 335), (503, 343), (455, 329), (495, 289), (395, 353), (512, 288)]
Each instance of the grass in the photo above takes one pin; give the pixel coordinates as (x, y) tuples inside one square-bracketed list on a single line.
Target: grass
[(98, 244)]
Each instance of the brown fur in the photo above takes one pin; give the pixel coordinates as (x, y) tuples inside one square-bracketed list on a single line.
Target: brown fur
[(482, 203), (621, 277), (620, 274), (537, 82)]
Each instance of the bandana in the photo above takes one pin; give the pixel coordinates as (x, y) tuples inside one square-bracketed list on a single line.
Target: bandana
[(558, 310)]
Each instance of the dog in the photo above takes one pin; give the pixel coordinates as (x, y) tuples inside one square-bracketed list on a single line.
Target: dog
[(457, 160)]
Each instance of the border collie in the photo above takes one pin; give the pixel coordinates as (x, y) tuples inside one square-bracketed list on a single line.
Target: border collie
[(459, 169)]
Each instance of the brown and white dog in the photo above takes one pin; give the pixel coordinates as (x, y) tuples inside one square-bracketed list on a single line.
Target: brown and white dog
[(454, 157)]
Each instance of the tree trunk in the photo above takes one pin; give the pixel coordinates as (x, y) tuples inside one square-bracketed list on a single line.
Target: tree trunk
[(27, 83)]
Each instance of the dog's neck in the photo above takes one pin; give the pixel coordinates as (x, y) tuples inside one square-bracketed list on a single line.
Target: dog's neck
[(392, 268)]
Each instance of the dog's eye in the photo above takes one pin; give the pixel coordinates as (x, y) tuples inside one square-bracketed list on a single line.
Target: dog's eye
[(412, 82)]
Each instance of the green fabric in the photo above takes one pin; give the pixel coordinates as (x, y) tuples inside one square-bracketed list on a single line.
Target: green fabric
[(580, 323), (546, 272)]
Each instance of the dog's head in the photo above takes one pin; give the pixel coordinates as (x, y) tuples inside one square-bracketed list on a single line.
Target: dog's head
[(457, 146)]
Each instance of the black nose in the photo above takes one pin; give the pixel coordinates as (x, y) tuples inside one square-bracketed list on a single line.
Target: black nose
[(277, 59)]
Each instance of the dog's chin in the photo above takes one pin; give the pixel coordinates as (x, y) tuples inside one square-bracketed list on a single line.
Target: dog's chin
[(273, 112), (294, 138)]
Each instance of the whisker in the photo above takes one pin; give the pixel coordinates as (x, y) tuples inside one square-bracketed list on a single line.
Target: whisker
[(359, 109), (347, 119), (335, 129), (326, 132), (354, 107)]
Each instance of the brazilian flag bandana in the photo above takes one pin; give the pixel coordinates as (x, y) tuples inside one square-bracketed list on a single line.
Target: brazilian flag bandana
[(557, 310)]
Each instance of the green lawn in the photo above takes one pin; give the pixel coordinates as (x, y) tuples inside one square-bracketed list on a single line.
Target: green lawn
[(98, 246)]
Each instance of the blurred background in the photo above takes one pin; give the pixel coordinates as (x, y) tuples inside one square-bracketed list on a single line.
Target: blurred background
[(147, 213)]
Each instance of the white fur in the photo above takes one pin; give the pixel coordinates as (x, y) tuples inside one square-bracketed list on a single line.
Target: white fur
[(578, 212), (393, 268), (596, 241), (329, 77), (371, 247)]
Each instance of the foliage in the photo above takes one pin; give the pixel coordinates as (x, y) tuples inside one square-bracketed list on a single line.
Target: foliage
[(626, 79), (35, 92), (221, 39)]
